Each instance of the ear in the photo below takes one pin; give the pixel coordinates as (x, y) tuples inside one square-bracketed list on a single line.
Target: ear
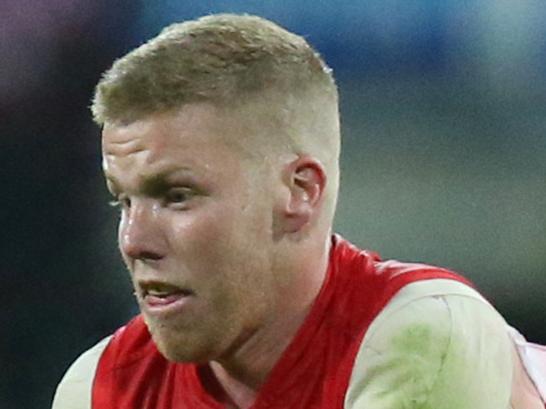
[(305, 178)]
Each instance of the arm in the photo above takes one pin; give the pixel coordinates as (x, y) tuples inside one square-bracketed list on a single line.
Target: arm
[(437, 345), (74, 390)]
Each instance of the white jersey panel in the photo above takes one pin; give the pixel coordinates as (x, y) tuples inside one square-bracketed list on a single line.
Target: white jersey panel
[(74, 390), (437, 345)]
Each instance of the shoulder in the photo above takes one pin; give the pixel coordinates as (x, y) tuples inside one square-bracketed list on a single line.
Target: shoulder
[(74, 390), (436, 341)]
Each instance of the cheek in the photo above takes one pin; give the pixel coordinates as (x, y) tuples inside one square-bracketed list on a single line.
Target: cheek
[(219, 240), (202, 236)]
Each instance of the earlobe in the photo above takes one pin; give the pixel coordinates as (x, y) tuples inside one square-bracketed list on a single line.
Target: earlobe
[(306, 179)]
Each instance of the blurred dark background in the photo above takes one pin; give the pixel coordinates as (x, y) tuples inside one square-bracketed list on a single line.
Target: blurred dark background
[(444, 115)]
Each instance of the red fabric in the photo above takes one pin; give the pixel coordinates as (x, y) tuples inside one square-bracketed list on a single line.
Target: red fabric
[(313, 372)]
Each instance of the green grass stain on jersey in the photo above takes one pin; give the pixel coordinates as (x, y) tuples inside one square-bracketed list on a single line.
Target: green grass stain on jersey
[(404, 377), (429, 365), (439, 365)]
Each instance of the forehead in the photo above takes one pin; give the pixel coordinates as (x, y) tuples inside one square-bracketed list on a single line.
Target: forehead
[(189, 125), (196, 136)]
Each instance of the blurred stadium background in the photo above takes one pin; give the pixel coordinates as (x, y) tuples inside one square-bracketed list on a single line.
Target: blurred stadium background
[(444, 117)]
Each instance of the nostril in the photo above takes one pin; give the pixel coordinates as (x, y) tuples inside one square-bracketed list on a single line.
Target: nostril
[(148, 255), (139, 248)]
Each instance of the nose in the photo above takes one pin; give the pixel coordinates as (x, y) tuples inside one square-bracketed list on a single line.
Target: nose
[(140, 235)]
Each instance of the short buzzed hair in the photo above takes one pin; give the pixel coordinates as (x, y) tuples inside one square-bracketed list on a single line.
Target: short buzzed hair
[(240, 63), (219, 59)]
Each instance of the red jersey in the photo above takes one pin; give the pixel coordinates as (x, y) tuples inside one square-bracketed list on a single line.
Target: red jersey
[(312, 373)]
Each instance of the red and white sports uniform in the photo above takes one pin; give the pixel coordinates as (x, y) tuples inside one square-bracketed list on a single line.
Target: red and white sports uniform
[(380, 335)]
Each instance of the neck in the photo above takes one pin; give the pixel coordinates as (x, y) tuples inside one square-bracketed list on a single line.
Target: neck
[(241, 374)]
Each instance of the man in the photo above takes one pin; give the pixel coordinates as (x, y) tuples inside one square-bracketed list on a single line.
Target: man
[(221, 145)]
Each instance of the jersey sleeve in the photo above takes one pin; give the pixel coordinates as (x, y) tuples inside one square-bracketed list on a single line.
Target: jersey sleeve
[(437, 345), (529, 384), (74, 390)]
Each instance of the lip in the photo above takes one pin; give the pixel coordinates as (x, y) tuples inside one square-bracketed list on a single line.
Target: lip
[(174, 300), (172, 304)]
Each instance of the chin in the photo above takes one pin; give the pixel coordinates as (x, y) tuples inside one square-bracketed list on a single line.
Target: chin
[(181, 356), (177, 347)]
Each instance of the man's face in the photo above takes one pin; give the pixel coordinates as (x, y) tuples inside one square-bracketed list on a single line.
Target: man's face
[(195, 229)]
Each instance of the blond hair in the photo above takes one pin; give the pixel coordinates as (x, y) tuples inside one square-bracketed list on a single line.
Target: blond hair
[(218, 58), (231, 61)]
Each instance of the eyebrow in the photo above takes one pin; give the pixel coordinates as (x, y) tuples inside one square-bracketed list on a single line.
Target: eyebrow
[(152, 185)]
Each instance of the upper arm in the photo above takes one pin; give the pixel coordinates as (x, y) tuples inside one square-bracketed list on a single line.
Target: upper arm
[(433, 351), (74, 390)]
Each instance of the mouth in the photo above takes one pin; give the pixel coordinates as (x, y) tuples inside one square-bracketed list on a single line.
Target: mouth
[(157, 294)]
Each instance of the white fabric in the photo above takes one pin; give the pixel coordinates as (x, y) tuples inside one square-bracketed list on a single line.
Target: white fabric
[(74, 391), (437, 345), (533, 357)]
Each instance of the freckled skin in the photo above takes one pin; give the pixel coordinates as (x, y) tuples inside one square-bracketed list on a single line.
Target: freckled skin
[(219, 244), (215, 206)]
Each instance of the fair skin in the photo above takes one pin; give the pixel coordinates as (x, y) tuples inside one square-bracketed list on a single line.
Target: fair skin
[(226, 252)]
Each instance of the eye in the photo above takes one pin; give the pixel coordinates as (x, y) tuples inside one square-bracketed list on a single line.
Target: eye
[(179, 196)]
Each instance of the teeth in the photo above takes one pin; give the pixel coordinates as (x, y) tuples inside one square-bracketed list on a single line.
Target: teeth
[(162, 290), (157, 293)]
